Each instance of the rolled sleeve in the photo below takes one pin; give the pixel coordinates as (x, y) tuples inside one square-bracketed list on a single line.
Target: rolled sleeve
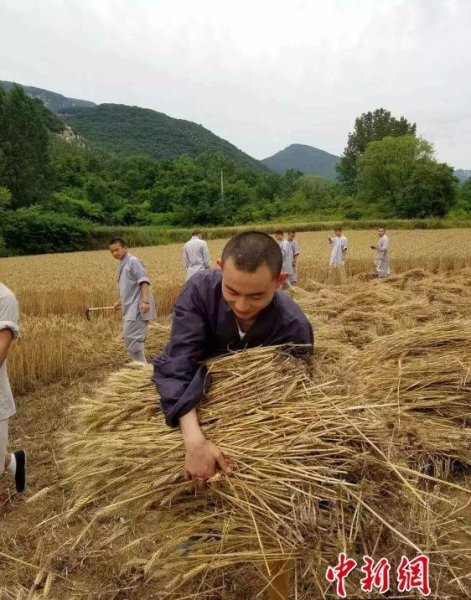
[(13, 327), (137, 270), (9, 311)]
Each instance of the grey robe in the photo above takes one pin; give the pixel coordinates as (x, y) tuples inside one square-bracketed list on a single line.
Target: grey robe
[(381, 259), (195, 256)]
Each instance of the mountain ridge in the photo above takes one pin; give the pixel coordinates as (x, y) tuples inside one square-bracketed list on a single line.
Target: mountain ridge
[(302, 157), (52, 100)]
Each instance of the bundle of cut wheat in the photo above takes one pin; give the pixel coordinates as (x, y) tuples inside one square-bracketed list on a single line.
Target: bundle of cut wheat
[(433, 360), (312, 474)]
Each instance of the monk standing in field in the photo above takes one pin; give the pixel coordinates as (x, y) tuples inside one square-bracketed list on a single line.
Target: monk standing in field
[(381, 259), (196, 255), (135, 299), (294, 253), (339, 251), (219, 311), (285, 255), (13, 462)]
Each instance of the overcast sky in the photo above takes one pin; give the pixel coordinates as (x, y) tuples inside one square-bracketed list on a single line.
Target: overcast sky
[(260, 73)]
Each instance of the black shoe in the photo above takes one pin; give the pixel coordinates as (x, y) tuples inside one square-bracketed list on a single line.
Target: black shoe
[(20, 473)]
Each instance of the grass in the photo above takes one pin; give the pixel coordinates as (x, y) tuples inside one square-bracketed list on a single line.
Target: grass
[(153, 235)]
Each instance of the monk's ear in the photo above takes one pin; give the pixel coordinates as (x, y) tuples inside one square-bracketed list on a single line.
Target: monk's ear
[(220, 263), (282, 277)]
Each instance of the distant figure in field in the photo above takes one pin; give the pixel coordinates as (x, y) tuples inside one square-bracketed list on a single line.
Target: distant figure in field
[(285, 254), (135, 299), (337, 257), (13, 462), (294, 253), (381, 258), (196, 255)]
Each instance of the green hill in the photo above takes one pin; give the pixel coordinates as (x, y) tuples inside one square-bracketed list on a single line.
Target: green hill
[(130, 130), (309, 160), (55, 102)]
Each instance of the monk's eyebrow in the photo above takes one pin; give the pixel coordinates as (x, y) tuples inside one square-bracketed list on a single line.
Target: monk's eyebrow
[(236, 292)]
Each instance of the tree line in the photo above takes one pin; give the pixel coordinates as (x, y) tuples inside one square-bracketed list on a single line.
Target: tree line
[(55, 190)]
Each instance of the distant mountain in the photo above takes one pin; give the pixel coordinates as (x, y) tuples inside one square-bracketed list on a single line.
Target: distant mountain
[(53, 101), (309, 160), (130, 130), (463, 174)]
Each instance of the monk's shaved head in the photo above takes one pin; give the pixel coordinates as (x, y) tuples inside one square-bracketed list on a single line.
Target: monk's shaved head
[(252, 249)]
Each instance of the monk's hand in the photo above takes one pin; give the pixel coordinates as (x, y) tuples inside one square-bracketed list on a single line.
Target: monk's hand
[(144, 307), (117, 305), (203, 459)]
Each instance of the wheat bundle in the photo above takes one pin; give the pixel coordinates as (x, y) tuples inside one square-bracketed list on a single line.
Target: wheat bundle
[(425, 369), (249, 412), (311, 472)]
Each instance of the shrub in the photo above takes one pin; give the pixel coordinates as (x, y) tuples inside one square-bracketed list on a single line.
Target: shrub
[(32, 230)]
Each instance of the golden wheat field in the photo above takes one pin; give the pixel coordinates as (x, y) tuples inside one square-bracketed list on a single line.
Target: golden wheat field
[(55, 290), (62, 357)]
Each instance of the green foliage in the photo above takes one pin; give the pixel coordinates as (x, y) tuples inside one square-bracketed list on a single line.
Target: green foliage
[(5, 198), (31, 230), (400, 174), (130, 130), (81, 208), (369, 127), (24, 147), (463, 203)]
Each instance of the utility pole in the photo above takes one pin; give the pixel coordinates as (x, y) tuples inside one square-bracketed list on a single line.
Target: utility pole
[(222, 184)]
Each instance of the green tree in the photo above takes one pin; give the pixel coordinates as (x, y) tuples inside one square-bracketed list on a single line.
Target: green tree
[(462, 208), (24, 148), (369, 127), (401, 175), (5, 198)]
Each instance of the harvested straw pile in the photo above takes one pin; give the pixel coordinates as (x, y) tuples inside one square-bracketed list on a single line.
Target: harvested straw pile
[(426, 369), (346, 455), (366, 312), (312, 476)]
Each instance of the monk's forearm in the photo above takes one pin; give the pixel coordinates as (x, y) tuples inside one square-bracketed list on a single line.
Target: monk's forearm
[(145, 292), (190, 429), (6, 338)]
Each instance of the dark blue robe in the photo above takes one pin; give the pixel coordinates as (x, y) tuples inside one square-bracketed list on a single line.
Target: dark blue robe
[(204, 326)]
